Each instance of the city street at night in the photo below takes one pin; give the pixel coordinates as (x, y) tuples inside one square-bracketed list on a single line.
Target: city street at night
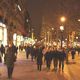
[(39, 39), (26, 70)]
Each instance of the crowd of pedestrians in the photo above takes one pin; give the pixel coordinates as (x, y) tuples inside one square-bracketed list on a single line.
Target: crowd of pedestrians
[(47, 55), (50, 54)]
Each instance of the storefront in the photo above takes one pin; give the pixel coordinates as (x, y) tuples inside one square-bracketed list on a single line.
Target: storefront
[(18, 39), (28, 40), (3, 34)]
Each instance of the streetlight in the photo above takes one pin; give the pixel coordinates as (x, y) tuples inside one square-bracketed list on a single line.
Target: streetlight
[(52, 29), (27, 20), (62, 29), (79, 20), (32, 34), (77, 40), (63, 19), (76, 37), (48, 34)]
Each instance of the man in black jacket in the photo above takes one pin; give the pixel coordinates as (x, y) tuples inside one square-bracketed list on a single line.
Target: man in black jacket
[(39, 58), (55, 58), (62, 57)]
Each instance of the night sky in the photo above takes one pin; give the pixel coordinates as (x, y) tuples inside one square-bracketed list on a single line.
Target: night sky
[(52, 10)]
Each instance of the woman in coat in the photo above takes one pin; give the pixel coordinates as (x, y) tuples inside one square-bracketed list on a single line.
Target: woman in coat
[(9, 60)]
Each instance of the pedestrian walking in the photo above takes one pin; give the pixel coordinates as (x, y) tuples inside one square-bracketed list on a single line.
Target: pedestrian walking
[(48, 58), (2, 49), (62, 57), (39, 58), (55, 58), (73, 52), (28, 51), (9, 60)]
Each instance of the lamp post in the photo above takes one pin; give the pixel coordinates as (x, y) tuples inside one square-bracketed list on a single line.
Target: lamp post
[(48, 37), (32, 34), (52, 29), (62, 29), (62, 20)]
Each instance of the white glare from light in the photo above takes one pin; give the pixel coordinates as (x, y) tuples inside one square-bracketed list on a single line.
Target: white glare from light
[(4, 25), (19, 7), (1, 24)]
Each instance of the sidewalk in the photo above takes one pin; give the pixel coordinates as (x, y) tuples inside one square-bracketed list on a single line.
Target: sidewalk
[(26, 70)]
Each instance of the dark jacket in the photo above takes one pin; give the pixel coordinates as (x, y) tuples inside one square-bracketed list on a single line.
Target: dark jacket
[(48, 56), (55, 54), (2, 49), (62, 55), (10, 57), (39, 56)]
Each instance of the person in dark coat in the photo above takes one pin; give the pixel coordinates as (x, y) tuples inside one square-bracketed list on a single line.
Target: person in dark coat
[(55, 58), (2, 49), (39, 58), (62, 57), (35, 52), (48, 58), (28, 51), (32, 52), (73, 52), (9, 60)]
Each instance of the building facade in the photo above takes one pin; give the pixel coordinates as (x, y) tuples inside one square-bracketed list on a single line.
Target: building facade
[(13, 15)]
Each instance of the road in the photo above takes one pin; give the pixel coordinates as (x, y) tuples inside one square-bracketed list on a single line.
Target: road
[(27, 70)]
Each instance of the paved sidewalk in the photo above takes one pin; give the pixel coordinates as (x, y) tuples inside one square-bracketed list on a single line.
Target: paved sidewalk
[(26, 70)]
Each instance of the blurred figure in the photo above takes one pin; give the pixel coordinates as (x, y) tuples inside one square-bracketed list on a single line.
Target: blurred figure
[(55, 58), (9, 60), (32, 51), (62, 57), (48, 57), (2, 49), (39, 58), (73, 52), (28, 51)]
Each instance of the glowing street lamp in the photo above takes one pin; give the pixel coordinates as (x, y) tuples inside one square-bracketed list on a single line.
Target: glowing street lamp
[(52, 28), (79, 20), (76, 37), (63, 19), (27, 20), (61, 28)]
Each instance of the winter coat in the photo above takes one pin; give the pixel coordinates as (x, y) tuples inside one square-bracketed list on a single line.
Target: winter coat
[(10, 57), (62, 55), (48, 56), (39, 56)]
